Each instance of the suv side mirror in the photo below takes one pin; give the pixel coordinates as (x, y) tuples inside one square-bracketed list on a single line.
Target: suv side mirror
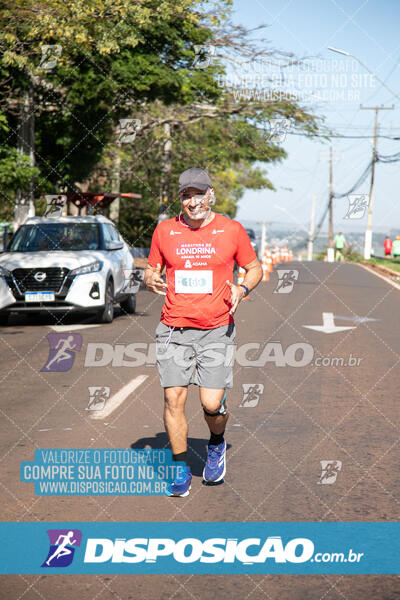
[(114, 245)]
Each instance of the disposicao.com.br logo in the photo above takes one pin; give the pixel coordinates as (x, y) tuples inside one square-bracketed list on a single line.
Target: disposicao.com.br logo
[(247, 551)]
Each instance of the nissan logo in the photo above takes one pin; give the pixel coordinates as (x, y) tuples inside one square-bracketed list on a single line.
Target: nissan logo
[(40, 276)]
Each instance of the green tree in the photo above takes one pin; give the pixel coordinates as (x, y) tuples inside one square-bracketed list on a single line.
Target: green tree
[(112, 58)]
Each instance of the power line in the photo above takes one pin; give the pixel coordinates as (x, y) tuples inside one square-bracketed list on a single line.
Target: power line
[(350, 137), (359, 181)]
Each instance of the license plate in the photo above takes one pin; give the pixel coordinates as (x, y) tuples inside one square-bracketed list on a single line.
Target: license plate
[(39, 297)]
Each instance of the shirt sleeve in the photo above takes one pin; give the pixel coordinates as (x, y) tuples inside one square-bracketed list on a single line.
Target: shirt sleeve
[(245, 253), (156, 256)]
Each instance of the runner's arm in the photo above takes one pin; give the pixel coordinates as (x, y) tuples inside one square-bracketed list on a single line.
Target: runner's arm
[(252, 278), (253, 274)]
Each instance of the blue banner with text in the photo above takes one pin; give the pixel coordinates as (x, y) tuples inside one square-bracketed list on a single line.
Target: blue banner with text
[(219, 548)]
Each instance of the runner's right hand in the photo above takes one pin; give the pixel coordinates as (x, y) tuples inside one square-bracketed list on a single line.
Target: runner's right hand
[(155, 283)]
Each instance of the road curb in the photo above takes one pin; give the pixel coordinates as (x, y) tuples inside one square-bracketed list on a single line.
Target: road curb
[(382, 272)]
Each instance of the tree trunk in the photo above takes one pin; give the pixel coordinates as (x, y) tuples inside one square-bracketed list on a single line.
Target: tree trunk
[(166, 168), (24, 200), (116, 182)]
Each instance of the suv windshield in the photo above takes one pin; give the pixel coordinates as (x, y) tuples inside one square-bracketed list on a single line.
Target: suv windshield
[(46, 237)]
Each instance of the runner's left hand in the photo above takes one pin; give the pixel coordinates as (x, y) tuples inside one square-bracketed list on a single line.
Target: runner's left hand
[(237, 294)]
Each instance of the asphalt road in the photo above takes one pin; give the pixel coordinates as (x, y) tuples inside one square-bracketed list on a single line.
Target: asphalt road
[(297, 417)]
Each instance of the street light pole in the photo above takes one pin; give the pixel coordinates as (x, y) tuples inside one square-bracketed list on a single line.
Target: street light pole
[(365, 67), (330, 198), (312, 225)]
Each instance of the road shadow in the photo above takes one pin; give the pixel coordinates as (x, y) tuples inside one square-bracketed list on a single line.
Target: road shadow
[(45, 318), (197, 449)]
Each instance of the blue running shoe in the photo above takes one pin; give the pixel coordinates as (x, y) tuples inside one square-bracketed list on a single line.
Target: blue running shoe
[(215, 467), (182, 484)]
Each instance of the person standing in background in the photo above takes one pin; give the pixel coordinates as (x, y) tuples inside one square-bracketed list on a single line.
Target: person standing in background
[(396, 247), (387, 245)]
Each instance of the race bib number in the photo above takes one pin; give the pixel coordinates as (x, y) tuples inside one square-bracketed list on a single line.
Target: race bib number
[(193, 282)]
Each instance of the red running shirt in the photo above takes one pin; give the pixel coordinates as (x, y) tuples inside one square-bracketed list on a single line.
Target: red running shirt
[(388, 244), (198, 263)]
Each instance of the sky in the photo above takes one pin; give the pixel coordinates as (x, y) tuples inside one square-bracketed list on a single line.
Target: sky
[(335, 88)]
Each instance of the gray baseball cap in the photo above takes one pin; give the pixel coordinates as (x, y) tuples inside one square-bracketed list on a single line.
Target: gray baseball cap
[(194, 178)]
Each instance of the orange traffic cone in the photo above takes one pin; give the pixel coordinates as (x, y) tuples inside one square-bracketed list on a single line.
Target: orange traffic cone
[(268, 254), (264, 266)]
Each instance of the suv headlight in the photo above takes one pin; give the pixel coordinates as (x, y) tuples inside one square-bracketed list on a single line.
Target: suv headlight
[(92, 268), (4, 272)]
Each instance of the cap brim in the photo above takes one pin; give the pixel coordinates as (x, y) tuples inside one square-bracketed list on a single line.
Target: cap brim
[(199, 186)]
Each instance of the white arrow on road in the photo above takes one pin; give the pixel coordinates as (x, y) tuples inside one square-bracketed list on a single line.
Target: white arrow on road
[(328, 325)]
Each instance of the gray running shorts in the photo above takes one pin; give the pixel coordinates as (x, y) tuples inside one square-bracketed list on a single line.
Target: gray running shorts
[(201, 356)]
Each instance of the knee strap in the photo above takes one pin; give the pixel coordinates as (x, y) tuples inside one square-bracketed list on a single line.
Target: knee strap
[(220, 411), (211, 414)]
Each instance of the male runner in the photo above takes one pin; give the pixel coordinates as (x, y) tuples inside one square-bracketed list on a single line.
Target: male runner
[(198, 249), (340, 243)]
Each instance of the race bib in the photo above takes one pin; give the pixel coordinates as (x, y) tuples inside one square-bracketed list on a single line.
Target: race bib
[(193, 282)]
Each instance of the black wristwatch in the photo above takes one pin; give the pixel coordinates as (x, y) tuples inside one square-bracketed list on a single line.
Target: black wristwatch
[(246, 289)]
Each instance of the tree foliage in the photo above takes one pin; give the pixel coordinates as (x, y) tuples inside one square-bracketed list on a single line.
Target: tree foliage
[(132, 59)]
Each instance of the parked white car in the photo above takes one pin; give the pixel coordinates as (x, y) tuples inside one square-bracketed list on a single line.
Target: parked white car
[(62, 264)]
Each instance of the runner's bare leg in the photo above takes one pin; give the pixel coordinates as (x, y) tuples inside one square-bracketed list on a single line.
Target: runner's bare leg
[(174, 417)]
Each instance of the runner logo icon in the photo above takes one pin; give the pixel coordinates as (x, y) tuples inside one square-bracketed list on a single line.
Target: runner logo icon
[(358, 204), (62, 547), (251, 394), (62, 351), (98, 396), (329, 471), (287, 279)]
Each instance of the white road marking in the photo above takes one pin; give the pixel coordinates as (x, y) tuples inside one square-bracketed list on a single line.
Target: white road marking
[(328, 325), (62, 328), (118, 398), (51, 429)]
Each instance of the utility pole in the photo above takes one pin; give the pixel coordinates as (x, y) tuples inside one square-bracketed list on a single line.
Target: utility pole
[(263, 237), (330, 198), (312, 225), (332, 156), (368, 231)]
